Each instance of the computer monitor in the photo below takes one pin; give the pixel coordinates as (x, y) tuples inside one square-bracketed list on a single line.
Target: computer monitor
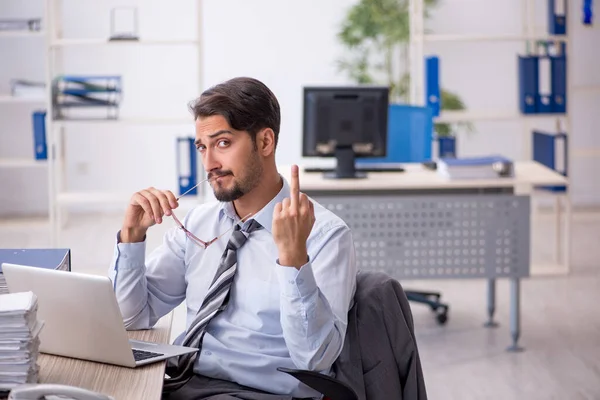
[(345, 123)]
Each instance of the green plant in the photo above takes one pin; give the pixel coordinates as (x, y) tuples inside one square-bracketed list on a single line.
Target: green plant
[(376, 33)]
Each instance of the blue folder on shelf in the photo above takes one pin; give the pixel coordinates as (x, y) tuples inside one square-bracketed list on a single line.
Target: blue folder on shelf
[(40, 148), (558, 72), (588, 12), (551, 150), (557, 17), (433, 97), (187, 174), (544, 103), (528, 83)]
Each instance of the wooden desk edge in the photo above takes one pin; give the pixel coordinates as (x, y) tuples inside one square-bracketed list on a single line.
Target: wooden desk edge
[(526, 173), (119, 382)]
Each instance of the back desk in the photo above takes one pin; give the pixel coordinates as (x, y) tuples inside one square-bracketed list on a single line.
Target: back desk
[(417, 224)]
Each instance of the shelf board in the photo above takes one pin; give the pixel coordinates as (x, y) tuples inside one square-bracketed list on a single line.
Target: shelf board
[(72, 198), (22, 34), (463, 116), (106, 42), (124, 121), (489, 38), (21, 100), (92, 198), (590, 152), (21, 162)]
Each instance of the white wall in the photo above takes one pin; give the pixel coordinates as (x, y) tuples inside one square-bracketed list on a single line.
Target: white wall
[(286, 44)]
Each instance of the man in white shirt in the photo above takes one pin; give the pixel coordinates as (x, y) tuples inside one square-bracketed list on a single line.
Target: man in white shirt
[(280, 299)]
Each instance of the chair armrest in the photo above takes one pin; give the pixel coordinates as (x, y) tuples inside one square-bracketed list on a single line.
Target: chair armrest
[(331, 388)]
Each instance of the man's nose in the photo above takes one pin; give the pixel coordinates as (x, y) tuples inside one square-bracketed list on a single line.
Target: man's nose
[(210, 162)]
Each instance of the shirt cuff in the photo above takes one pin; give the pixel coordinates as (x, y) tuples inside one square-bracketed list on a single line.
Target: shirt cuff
[(130, 255), (296, 283)]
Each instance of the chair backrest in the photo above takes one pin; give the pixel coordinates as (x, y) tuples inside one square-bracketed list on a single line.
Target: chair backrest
[(362, 358), (380, 359)]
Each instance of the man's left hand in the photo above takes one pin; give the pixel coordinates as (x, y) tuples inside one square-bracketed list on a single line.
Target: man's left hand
[(293, 220)]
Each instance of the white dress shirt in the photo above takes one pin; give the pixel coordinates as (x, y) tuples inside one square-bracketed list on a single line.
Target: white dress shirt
[(277, 316)]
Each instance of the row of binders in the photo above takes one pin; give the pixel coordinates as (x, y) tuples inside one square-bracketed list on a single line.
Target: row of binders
[(19, 340), (543, 80)]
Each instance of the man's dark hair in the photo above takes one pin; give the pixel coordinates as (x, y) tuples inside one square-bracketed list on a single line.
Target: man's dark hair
[(246, 103)]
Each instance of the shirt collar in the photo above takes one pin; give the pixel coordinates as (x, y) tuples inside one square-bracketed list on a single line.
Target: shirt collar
[(265, 215)]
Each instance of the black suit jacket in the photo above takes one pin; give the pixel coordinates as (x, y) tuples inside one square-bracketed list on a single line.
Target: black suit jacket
[(380, 359)]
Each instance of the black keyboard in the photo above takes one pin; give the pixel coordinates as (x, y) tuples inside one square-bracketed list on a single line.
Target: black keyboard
[(140, 355), (359, 168)]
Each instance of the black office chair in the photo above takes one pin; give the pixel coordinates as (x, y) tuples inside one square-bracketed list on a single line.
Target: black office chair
[(369, 319), (432, 299)]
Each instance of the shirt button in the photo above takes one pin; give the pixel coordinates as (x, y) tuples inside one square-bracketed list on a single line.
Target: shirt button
[(124, 256), (291, 281), (300, 281), (208, 353)]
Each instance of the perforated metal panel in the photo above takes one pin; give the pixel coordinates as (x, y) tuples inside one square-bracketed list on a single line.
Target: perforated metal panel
[(438, 236)]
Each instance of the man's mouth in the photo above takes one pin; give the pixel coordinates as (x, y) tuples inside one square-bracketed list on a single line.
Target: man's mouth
[(216, 176)]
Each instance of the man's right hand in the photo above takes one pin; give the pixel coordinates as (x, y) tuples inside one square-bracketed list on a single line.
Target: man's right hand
[(146, 208)]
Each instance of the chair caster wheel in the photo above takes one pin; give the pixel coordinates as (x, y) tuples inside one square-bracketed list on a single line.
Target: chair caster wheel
[(442, 316)]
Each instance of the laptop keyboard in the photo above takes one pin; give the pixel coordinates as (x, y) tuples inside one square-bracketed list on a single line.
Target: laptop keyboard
[(140, 355)]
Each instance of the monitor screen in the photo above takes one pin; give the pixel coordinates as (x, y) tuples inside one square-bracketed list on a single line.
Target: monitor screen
[(345, 122)]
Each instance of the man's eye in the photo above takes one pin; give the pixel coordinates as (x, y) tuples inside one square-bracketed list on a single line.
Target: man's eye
[(222, 143), (200, 147)]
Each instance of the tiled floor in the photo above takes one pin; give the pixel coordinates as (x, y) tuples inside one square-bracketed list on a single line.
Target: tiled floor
[(461, 360)]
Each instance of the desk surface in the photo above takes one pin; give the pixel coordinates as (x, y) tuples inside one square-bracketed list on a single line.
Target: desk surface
[(144, 383), (417, 177)]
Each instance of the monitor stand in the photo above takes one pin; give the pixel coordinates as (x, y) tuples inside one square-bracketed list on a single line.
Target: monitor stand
[(345, 167)]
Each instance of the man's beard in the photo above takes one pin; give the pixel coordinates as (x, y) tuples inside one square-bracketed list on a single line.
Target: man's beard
[(246, 184), (230, 194)]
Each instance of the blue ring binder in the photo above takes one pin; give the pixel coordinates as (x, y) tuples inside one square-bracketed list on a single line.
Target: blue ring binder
[(187, 180)]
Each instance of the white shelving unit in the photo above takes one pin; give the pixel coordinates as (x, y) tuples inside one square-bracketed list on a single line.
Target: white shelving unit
[(21, 162), (5, 34), (418, 39), (103, 42), (59, 198), (20, 100)]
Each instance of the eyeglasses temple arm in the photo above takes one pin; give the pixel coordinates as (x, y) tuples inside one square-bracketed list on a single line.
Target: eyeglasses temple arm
[(233, 226)]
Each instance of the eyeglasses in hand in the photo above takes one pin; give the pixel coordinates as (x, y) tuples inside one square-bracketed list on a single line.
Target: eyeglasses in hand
[(198, 241)]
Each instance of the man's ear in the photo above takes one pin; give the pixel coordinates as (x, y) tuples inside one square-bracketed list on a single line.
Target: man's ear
[(265, 140)]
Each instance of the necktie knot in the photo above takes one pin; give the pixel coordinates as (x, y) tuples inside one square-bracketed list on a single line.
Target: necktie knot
[(239, 235), (252, 226)]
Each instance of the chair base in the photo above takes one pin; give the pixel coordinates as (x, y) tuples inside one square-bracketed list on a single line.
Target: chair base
[(432, 299)]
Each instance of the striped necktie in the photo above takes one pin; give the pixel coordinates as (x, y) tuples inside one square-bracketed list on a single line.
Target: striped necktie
[(215, 301)]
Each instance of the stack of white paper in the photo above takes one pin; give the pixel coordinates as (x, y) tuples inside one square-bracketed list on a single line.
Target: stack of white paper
[(19, 339), (28, 89)]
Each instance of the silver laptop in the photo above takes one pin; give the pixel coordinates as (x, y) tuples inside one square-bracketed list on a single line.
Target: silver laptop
[(82, 318)]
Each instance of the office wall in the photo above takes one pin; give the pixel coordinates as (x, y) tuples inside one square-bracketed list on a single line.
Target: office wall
[(287, 44)]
